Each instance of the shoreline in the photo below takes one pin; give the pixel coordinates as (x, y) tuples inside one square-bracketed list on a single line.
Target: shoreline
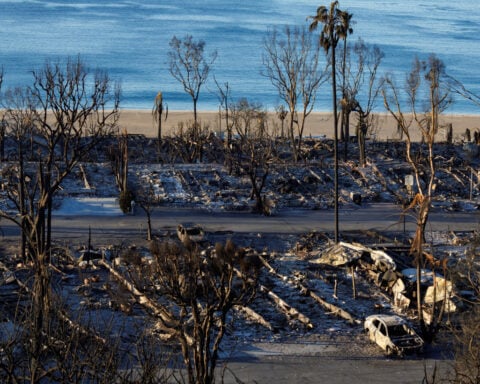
[(140, 121)]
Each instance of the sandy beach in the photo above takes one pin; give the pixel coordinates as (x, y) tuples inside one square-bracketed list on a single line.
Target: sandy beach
[(318, 123)]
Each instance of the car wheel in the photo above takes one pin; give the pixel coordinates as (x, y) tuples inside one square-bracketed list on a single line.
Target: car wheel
[(388, 351)]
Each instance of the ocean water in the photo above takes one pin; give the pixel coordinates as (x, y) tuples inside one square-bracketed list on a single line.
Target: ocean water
[(130, 39)]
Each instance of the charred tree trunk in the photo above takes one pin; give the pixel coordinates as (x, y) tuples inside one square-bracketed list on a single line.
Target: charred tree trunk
[(124, 154), (149, 225), (346, 142), (417, 251), (2, 140), (49, 224), (257, 187), (291, 134), (41, 304), (159, 136), (22, 204), (361, 132)]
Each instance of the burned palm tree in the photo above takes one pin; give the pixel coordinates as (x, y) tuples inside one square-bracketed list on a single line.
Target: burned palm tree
[(332, 32)]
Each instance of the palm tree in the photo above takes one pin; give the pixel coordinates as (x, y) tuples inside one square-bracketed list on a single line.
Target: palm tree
[(329, 36)]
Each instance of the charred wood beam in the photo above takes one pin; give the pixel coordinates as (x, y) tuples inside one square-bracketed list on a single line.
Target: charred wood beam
[(168, 324), (290, 311), (250, 314)]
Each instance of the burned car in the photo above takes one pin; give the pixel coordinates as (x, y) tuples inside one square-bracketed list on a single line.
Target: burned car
[(393, 334), (193, 232)]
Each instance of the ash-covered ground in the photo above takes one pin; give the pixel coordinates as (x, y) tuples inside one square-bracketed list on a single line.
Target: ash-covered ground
[(309, 327)]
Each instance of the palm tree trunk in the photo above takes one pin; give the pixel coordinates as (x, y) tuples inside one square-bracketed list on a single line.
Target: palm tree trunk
[(344, 105), (335, 146)]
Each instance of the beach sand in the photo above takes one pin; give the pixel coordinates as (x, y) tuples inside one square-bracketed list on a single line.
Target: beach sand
[(317, 124)]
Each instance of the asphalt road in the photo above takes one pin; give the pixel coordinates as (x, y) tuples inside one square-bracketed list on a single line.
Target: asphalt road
[(381, 217), (333, 370)]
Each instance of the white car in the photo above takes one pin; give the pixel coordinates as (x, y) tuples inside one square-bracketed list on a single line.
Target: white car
[(393, 334)]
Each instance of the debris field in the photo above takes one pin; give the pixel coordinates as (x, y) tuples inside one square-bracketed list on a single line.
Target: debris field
[(310, 291)]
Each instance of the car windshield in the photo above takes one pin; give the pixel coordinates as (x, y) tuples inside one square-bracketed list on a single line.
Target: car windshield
[(397, 330)]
